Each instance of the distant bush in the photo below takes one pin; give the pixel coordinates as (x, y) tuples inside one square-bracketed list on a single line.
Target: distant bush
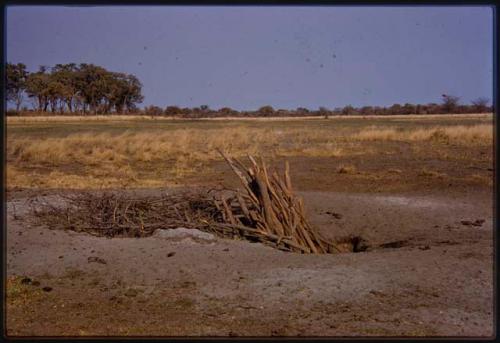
[(12, 113), (172, 111), (481, 105), (153, 111), (266, 111)]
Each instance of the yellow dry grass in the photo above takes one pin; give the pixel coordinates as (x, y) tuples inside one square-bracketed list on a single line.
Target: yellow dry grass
[(176, 146), (95, 179), (425, 172), (119, 117), (181, 146), (347, 169), (69, 118), (114, 160), (460, 134), (157, 158)]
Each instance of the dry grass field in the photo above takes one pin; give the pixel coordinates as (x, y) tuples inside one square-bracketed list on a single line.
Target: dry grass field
[(64, 155), (416, 189)]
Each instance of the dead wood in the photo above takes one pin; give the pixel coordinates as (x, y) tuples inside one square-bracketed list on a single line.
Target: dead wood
[(267, 212)]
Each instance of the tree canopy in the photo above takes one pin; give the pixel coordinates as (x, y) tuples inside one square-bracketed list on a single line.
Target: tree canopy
[(84, 88), (16, 75)]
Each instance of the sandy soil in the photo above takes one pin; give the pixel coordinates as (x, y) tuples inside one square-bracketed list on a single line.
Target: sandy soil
[(427, 271)]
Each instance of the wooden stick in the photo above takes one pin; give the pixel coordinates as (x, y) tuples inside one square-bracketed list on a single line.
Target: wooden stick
[(228, 211)]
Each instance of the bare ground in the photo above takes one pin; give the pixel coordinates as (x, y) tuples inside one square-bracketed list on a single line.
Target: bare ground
[(425, 273)]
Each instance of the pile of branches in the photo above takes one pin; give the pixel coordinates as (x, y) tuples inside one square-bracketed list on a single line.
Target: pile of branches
[(117, 215), (266, 211), (269, 212)]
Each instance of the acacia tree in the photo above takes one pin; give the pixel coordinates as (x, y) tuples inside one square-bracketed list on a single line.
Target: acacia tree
[(172, 111), (450, 103), (84, 88), (153, 110), (54, 91), (133, 94), (366, 110), (16, 76), (92, 85), (266, 111), (409, 109), (37, 87), (65, 76), (348, 110), (481, 104), (227, 112), (302, 111), (324, 112)]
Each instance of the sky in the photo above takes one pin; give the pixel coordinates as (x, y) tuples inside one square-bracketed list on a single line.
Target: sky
[(245, 57)]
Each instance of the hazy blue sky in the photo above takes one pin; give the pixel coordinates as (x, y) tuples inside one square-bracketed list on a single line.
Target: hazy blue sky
[(246, 57)]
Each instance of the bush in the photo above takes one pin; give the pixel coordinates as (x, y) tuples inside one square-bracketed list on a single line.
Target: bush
[(172, 111), (153, 111), (12, 113), (266, 111)]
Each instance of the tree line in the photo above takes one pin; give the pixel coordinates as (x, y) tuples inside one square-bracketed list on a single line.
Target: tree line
[(449, 104), (72, 88), (90, 89)]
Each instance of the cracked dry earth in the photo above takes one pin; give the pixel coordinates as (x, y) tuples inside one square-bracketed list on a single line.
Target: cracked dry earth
[(428, 271)]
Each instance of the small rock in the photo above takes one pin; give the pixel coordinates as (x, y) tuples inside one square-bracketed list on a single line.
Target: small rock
[(425, 247), (47, 288), (334, 215), (466, 222), (227, 249), (131, 292), (395, 244), (183, 233), (26, 281), (186, 284), (170, 254), (96, 259), (377, 293), (478, 222), (61, 256)]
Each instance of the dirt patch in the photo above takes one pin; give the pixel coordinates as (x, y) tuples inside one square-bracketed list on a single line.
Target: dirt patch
[(162, 286)]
